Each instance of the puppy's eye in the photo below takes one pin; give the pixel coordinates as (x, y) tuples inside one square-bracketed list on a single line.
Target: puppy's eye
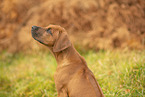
[(49, 31)]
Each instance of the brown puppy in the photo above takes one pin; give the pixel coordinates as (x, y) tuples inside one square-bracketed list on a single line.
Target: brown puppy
[(72, 78)]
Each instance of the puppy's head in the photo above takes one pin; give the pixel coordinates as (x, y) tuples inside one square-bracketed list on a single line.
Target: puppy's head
[(51, 36)]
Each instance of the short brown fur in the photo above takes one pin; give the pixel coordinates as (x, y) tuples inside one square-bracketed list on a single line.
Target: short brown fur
[(72, 78)]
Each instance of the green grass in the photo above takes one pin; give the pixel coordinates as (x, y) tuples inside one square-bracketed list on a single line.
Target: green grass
[(119, 73)]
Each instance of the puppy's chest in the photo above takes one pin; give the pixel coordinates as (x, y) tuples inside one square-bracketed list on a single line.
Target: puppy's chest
[(63, 75)]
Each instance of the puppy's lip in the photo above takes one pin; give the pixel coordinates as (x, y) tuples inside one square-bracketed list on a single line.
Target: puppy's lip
[(39, 41)]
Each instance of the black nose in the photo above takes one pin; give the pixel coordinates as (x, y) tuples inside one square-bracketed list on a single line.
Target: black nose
[(35, 28)]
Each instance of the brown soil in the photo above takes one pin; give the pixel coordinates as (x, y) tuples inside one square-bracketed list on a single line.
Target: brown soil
[(91, 24)]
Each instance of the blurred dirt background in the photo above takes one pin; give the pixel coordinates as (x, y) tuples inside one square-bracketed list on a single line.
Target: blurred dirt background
[(91, 24)]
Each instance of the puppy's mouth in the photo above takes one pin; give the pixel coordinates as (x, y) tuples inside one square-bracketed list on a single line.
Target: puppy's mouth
[(34, 33), (37, 36)]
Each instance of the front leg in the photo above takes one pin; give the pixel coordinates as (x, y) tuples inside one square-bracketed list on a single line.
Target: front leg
[(62, 93)]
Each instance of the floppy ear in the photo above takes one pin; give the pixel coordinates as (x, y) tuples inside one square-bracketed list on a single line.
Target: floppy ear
[(62, 42)]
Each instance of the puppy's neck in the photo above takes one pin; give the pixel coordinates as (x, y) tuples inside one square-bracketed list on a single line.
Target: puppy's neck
[(69, 56)]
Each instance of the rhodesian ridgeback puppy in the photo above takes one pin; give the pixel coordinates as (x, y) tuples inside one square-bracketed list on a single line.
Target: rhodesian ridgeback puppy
[(72, 78)]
